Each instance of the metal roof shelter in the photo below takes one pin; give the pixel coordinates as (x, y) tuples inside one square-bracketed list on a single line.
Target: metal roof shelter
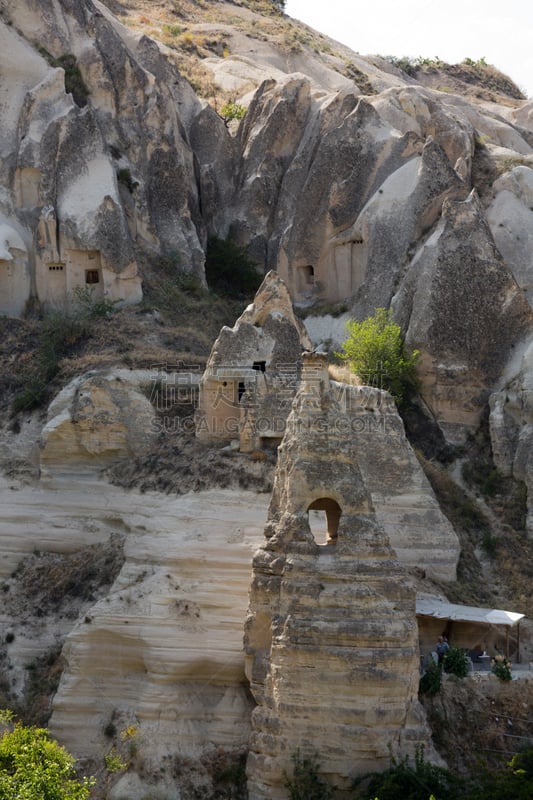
[(441, 609)]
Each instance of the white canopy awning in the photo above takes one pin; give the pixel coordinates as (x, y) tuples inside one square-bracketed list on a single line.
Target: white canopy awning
[(440, 609)]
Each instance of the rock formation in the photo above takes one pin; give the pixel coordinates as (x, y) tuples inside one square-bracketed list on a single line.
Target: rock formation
[(252, 373), (331, 636), (109, 160), (354, 194), (462, 308), (511, 426), (246, 393), (96, 419), (160, 647), (95, 164)]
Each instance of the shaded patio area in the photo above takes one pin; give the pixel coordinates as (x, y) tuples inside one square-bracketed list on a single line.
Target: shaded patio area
[(482, 632)]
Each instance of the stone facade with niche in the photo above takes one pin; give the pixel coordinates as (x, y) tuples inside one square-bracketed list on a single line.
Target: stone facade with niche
[(253, 372)]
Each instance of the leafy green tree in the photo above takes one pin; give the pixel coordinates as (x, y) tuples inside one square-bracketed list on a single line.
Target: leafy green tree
[(35, 767), (231, 111), (376, 353)]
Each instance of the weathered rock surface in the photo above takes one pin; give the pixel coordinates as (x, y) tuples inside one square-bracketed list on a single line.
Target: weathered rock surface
[(511, 427), (462, 308), (95, 166), (96, 419), (365, 200), (161, 648), (340, 192), (510, 217), (331, 627)]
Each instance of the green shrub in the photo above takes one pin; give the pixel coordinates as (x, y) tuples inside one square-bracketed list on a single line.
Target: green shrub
[(431, 680), (35, 767), (501, 667), (113, 762), (172, 30), (231, 111), (305, 783), (402, 781), (512, 782), (89, 306), (229, 270), (74, 83), (456, 662), (376, 353), (60, 334)]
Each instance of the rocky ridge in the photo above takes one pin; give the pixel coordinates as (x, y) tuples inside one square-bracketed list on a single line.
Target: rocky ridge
[(361, 191)]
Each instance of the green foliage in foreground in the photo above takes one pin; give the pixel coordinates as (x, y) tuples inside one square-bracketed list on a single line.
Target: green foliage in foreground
[(456, 662), (35, 767), (424, 781), (375, 351), (305, 782), (408, 781)]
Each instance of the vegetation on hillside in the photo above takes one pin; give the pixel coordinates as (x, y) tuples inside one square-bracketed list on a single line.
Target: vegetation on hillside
[(35, 767), (228, 269), (420, 780), (375, 352), (469, 73)]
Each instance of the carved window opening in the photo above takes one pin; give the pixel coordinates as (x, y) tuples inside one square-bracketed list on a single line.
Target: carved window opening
[(308, 274), (259, 366), (92, 276), (270, 442), (56, 267), (324, 516), (358, 240), (241, 390)]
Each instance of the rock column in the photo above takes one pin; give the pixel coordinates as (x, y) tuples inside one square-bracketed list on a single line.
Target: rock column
[(331, 635)]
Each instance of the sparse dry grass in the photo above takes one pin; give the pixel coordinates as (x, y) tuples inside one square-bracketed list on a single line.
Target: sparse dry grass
[(180, 463), (343, 374), (194, 31), (481, 714)]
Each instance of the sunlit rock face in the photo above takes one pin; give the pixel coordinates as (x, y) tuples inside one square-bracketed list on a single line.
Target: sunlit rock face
[(162, 650), (96, 419), (331, 634)]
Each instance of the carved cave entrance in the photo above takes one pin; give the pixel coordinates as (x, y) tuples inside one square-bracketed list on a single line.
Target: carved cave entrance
[(324, 515)]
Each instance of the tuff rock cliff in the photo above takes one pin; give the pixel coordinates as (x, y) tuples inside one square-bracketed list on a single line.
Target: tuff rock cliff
[(362, 186), (397, 193), (334, 614)]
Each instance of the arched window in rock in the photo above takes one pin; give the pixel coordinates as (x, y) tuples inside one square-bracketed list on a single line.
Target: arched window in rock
[(324, 516)]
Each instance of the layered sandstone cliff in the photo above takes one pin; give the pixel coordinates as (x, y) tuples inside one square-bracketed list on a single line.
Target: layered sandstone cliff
[(110, 161), (331, 635)]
